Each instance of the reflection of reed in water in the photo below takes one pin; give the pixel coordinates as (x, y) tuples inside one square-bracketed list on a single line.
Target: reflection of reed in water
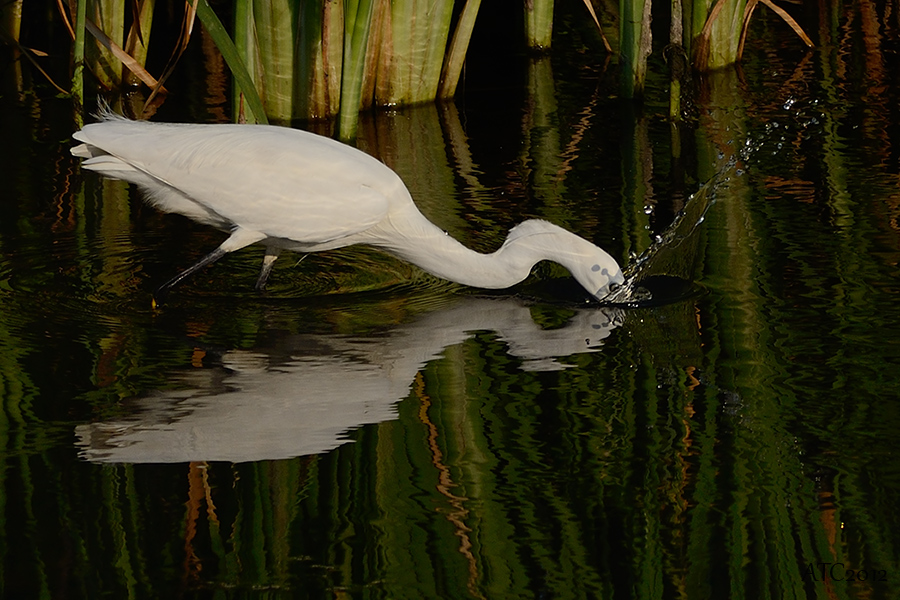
[(664, 271)]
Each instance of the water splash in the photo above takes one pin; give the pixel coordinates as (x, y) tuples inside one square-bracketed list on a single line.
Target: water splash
[(663, 272)]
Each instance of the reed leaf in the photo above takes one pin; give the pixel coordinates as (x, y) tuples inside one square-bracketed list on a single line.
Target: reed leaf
[(593, 13), (29, 54), (123, 57), (751, 5), (357, 25), (456, 54), (377, 50), (232, 58), (109, 18), (745, 27), (245, 45), (718, 41), (187, 27), (137, 42)]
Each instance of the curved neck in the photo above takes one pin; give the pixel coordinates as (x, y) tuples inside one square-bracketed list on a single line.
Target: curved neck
[(433, 250)]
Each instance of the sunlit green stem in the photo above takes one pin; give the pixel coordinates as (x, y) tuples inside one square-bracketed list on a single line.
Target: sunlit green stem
[(109, 16), (456, 55), (11, 18), (538, 23), (412, 52), (78, 62), (245, 46), (717, 32), (635, 40), (137, 45), (357, 24), (275, 22)]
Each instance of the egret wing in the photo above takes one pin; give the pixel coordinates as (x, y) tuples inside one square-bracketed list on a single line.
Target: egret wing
[(282, 182)]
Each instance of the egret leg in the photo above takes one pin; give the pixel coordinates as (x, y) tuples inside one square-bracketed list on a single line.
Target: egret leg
[(268, 263), (209, 259), (238, 239)]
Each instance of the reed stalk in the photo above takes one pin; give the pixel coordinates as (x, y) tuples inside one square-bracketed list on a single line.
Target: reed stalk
[(10, 19), (676, 59), (456, 53), (538, 24), (245, 46), (109, 17), (317, 59), (275, 28), (78, 62), (376, 51), (412, 51), (318, 65), (719, 37), (635, 44), (233, 58), (138, 41), (357, 26)]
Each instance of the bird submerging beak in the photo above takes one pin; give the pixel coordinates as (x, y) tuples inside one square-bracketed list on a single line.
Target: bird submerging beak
[(289, 189)]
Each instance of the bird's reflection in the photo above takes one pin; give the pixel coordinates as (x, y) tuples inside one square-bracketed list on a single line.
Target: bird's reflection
[(302, 395)]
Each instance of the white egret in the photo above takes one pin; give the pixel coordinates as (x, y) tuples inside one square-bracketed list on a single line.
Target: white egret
[(293, 190)]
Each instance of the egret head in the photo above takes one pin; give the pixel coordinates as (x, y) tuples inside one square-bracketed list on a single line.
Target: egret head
[(599, 273), (592, 267)]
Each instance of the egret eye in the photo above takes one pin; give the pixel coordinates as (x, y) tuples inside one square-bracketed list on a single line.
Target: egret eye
[(614, 286)]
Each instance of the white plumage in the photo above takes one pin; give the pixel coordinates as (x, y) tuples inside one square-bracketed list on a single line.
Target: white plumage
[(293, 190)]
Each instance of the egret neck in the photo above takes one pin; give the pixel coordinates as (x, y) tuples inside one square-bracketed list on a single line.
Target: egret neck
[(435, 251)]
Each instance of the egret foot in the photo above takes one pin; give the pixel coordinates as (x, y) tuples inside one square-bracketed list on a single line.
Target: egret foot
[(268, 262)]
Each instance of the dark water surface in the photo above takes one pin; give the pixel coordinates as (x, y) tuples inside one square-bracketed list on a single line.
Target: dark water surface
[(363, 430)]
